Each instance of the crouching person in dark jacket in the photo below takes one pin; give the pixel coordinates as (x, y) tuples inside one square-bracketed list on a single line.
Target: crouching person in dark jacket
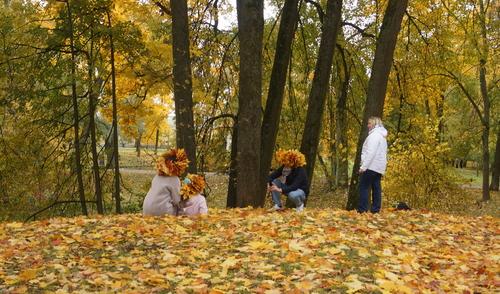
[(290, 179)]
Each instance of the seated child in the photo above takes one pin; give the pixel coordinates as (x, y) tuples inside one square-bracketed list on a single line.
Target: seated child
[(193, 203)]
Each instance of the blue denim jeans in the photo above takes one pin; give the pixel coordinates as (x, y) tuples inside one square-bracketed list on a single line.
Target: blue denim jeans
[(297, 196), (369, 179)]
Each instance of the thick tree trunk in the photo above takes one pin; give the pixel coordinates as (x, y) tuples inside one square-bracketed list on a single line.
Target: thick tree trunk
[(233, 173), (251, 30), (320, 85), (76, 119), (495, 176), (272, 113), (183, 83), (377, 86)]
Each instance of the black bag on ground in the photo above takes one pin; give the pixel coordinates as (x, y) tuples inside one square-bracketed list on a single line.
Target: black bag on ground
[(403, 206)]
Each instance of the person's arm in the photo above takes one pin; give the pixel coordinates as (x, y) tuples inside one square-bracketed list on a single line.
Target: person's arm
[(275, 174), (176, 191), (368, 152), (203, 205)]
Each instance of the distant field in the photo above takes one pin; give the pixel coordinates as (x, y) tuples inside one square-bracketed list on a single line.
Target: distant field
[(474, 176), (129, 159)]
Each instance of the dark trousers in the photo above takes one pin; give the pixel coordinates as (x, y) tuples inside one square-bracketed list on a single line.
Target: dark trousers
[(369, 179)]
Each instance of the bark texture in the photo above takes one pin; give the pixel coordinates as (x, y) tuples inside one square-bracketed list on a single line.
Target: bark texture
[(495, 175), (251, 30), (183, 83)]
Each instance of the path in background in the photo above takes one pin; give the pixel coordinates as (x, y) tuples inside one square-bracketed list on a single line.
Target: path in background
[(139, 171)]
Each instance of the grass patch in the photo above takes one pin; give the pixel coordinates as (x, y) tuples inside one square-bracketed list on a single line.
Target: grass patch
[(473, 175), (129, 160)]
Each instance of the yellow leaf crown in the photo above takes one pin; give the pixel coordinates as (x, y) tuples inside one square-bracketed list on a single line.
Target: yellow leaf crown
[(197, 184), (290, 157), (176, 167)]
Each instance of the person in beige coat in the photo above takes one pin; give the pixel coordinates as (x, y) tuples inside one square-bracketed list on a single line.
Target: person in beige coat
[(164, 195)]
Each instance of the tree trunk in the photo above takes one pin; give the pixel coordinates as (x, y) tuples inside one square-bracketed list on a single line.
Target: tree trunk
[(440, 114), (486, 133), (233, 173), (108, 149), (116, 163), (377, 86), (495, 176), (341, 142), (138, 144), (76, 119), (183, 82), (251, 30), (486, 104), (272, 113), (320, 85), (157, 139), (331, 174)]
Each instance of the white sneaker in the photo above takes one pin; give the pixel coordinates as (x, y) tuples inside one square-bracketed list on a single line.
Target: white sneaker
[(300, 208), (275, 208)]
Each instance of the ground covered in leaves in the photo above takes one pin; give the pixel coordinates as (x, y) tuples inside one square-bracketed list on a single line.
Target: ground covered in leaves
[(254, 251)]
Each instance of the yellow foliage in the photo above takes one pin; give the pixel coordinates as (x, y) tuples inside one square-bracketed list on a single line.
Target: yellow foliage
[(417, 174)]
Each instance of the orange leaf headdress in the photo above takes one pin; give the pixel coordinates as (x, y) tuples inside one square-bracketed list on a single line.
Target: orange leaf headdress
[(193, 187), (290, 157), (175, 167)]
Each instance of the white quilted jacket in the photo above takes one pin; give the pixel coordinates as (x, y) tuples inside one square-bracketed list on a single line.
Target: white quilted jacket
[(374, 153)]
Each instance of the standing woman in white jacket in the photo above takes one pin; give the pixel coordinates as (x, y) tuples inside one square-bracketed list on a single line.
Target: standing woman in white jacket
[(373, 164)]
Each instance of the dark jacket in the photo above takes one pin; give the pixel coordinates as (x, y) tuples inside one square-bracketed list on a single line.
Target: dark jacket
[(297, 179)]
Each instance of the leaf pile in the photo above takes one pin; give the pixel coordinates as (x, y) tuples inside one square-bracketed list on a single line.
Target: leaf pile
[(253, 251)]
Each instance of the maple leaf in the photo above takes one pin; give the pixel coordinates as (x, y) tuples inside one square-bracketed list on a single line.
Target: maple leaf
[(28, 274), (11, 279), (354, 286), (272, 291), (260, 245), (303, 286), (298, 246), (395, 288)]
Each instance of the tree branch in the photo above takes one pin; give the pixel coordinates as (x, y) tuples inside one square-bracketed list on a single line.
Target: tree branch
[(467, 94), (360, 30), (163, 8), (320, 11), (57, 202)]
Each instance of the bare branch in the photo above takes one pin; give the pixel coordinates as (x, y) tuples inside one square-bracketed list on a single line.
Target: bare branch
[(320, 11), (363, 32), (163, 8)]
